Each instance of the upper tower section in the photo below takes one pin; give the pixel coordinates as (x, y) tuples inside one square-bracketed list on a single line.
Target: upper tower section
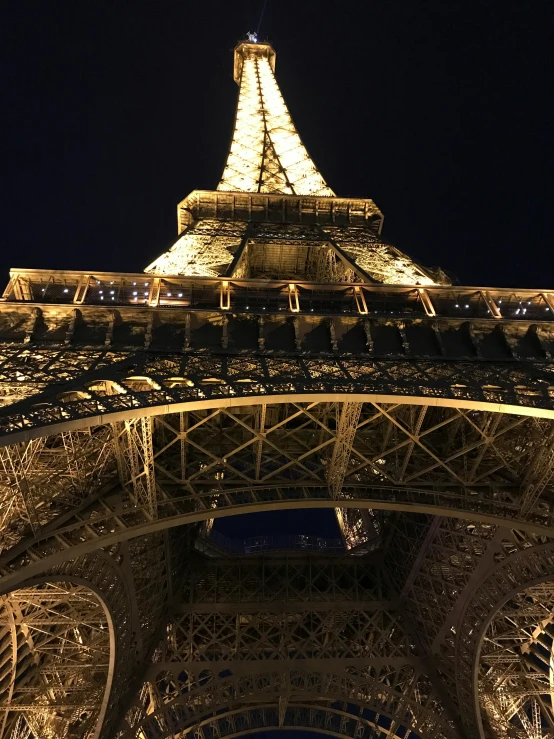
[(266, 154)]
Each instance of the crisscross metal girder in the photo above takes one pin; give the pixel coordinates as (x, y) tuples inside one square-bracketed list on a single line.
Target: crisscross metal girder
[(71, 639), (266, 153), (297, 629), (210, 463), (501, 618), (481, 600), (126, 386), (403, 698), (330, 720), (55, 659)]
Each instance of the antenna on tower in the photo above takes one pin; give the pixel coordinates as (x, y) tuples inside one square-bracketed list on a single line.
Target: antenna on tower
[(261, 18)]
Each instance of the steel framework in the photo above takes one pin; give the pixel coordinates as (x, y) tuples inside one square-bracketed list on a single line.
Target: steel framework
[(280, 355)]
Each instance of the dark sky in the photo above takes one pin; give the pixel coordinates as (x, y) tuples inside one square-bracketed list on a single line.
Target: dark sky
[(313, 522), (438, 110)]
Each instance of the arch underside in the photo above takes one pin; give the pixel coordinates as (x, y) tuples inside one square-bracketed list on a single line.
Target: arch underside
[(102, 385), (128, 478), (284, 631), (516, 664), (334, 719), (335, 715), (130, 453), (58, 655), (503, 650), (66, 651)]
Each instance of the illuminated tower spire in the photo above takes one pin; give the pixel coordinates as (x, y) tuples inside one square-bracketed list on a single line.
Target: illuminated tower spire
[(266, 154), (270, 177)]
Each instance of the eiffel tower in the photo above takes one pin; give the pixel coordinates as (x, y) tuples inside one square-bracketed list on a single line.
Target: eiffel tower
[(281, 355)]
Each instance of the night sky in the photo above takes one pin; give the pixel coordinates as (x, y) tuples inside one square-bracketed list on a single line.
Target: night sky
[(440, 111)]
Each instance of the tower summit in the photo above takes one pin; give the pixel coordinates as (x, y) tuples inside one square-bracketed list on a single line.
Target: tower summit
[(280, 355), (266, 154), (268, 160)]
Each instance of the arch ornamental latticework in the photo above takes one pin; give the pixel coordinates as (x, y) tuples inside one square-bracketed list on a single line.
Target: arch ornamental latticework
[(281, 355)]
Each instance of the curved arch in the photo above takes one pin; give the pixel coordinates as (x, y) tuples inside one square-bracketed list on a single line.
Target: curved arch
[(516, 680), (517, 573), (100, 574), (79, 616), (51, 553), (389, 697), (172, 382), (44, 419), (436, 460), (313, 717)]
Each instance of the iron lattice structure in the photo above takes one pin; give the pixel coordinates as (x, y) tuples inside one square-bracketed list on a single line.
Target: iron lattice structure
[(280, 355)]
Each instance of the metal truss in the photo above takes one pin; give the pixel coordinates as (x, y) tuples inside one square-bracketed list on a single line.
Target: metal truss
[(469, 589), (66, 650), (130, 383), (206, 249), (92, 294), (266, 152), (321, 253), (267, 156), (356, 526), (280, 355), (48, 477), (336, 720), (508, 614), (56, 653), (539, 476), (516, 665), (72, 640), (373, 256), (284, 631), (202, 464), (135, 460)]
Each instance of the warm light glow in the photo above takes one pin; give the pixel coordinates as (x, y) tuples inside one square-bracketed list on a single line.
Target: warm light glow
[(381, 261), (203, 250), (267, 154)]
